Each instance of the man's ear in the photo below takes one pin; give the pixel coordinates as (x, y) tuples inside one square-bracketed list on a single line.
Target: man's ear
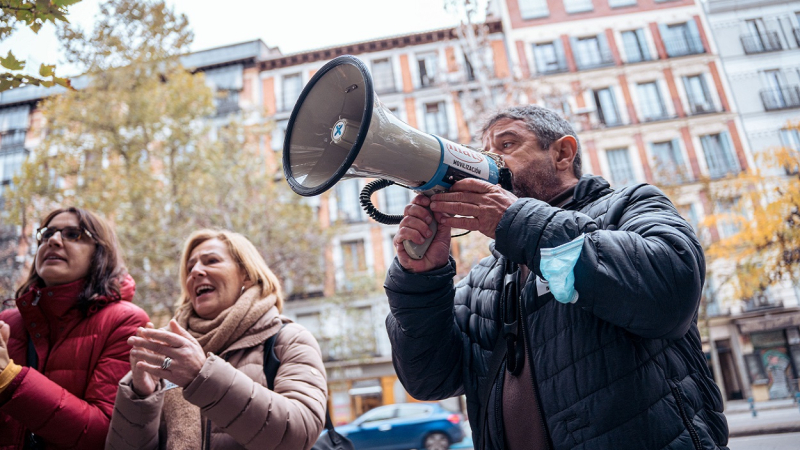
[(566, 149)]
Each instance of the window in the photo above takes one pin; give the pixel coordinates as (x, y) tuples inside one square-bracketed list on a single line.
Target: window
[(682, 39), (436, 119), (635, 46), (620, 165), (719, 155), (396, 198), (607, 111), (618, 3), (549, 57), (10, 163), (532, 9), (13, 129), (292, 86), (668, 162), (428, 67), (347, 202), (410, 411), (758, 38), (354, 261), (651, 107), (778, 94), (227, 83), (382, 413), (592, 52), (790, 138), (576, 6), (697, 94), (469, 69), (383, 75)]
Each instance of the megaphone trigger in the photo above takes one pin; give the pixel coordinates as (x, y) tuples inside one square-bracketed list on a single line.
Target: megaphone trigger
[(417, 251)]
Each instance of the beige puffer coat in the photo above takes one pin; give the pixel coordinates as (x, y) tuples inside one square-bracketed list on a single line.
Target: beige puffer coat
[(234, 396)]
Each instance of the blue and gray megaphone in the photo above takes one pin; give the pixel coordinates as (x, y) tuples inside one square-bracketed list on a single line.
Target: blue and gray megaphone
[(339, 130)]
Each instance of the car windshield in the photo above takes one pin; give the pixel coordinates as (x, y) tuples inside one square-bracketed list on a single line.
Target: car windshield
[(413, 411), (381, 413)]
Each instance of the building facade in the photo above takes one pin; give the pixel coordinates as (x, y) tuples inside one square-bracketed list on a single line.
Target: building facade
[(756, 342)]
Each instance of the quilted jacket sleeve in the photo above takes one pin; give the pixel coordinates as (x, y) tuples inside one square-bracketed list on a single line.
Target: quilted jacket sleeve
[(290, 417), (427, 345), (643, 271), (135, 422), (60, 418)]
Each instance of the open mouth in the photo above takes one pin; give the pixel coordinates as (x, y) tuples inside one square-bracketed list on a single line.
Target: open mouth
[(54, 258), (203, 289)]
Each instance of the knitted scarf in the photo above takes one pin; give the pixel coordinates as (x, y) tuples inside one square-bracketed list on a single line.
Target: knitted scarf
[(184, 425)]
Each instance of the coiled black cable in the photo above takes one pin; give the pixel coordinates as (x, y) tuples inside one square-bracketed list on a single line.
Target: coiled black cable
[(370, 209)]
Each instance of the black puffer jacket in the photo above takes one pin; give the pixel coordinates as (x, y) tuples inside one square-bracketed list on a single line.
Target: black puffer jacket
[(622, 368)]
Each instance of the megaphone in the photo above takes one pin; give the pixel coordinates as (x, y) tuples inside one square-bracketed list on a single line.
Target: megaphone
[(339, 129)]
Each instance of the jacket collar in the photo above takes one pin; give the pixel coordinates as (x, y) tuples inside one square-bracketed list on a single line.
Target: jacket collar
[(57, 301), (588, 189)]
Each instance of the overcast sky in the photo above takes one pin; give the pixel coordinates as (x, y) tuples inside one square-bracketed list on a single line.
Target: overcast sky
[(292, 25)]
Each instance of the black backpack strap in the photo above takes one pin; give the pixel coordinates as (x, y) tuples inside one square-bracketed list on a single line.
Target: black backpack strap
[(271, 362), (33, 358)]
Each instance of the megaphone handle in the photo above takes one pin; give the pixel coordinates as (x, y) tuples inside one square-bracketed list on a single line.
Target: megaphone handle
[(417, 251)]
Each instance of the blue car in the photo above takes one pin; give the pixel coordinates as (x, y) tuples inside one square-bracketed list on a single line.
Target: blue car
[(405, 426)]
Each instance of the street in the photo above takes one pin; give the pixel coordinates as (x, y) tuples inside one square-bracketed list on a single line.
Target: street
[(785, 441)]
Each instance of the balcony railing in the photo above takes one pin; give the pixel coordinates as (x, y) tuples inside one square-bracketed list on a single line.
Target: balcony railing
[(592, 59), (782, 98), (227, 102), (12, 139), (761, 42), (701, 108), (654, 112), (683, 47)]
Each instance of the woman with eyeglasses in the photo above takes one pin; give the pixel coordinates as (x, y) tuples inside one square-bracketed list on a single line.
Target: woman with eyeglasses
[(64, 348), (201, 383)]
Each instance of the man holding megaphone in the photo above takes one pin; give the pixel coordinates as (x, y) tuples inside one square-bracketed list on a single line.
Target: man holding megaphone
[(579, 331)]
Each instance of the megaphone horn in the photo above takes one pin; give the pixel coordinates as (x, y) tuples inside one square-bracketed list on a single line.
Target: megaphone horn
[(339, 129)]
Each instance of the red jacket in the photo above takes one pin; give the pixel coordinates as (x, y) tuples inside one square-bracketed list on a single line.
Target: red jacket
[(68, 399)]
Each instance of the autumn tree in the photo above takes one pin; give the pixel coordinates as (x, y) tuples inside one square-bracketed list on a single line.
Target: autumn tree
[(762, 206), (139, 145), (32, 14)]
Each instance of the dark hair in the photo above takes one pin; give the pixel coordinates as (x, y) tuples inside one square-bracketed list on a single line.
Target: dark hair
[(544, 123), (106, 269)]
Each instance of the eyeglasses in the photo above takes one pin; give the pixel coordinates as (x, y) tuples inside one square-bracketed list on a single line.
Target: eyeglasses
[(72, 234)]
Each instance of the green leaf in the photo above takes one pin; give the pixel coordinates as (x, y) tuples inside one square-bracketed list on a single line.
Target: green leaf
[(36, 27), (11, 63), (5, 84), (63, 82), (47, 70)]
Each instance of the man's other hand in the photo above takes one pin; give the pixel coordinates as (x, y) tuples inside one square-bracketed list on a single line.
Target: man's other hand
[(414, 227), (479, 205)]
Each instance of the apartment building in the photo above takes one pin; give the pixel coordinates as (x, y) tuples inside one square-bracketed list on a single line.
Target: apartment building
[(757, 341)]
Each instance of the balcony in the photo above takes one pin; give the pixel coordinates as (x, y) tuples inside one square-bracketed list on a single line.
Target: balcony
[(226, 102), (653, 112), (593, 59), (683, 47), (761, 42), (698, 108), (781, 98)]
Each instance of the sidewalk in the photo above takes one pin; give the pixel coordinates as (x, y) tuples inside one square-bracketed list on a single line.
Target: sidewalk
[(774, 416)]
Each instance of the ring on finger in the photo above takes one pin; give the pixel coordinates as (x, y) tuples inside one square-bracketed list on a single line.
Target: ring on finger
[(167, 361)]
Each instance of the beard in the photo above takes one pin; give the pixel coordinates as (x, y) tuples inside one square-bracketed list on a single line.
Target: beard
[(537, 181)]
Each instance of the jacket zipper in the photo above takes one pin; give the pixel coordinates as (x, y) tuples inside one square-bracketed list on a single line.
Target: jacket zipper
[(686, 421), (38, 297), (529, 356)]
